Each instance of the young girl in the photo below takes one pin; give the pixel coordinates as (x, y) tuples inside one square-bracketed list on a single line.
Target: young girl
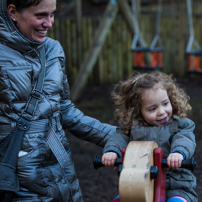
[(152, 107)]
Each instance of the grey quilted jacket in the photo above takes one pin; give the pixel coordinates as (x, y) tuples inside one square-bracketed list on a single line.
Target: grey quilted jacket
[(176, 135), (41, 177)]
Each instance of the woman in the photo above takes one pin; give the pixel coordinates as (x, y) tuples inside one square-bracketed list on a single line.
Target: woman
[(24, 25)]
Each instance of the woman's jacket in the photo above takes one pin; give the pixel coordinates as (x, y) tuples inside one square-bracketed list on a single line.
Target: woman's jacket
[(41, 177), (175, 136)]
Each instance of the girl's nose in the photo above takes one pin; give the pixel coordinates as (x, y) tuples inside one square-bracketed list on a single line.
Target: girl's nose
[(161, 111)]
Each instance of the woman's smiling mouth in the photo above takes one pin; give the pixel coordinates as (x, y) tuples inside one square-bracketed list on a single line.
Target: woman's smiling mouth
[(42, 32)]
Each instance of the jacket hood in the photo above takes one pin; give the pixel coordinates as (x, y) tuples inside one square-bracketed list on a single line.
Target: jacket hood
[(11, 36)]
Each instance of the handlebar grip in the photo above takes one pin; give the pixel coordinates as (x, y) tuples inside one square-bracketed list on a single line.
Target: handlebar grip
[(187, 163), (97, 162)]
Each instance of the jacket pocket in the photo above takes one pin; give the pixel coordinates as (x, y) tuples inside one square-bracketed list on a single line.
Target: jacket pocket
[(15, 82)]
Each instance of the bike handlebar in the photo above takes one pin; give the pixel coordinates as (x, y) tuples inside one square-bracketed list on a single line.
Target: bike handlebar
[(187, 163)]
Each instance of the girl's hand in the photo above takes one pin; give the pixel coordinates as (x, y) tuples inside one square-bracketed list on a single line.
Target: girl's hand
[(174, 160), (109, 159)]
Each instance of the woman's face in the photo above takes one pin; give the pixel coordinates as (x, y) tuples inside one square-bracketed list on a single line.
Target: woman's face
[(34, 22)]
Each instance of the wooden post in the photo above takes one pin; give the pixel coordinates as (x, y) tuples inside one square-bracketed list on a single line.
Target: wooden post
[(127, 14), (78, 14), (93, 53)]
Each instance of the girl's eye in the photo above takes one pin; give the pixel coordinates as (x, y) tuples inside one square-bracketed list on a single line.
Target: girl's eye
[(165, 103), (152, 109)]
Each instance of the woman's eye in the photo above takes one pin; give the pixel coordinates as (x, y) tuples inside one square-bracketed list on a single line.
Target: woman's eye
[(40, 15)]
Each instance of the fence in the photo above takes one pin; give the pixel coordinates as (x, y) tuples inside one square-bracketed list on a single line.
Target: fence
[(115, 60)]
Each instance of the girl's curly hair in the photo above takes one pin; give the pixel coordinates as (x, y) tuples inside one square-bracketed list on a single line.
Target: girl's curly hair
[(127, 97)]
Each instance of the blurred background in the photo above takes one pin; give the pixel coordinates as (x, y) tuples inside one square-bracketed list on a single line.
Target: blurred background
[(105, 41), (98, 35)]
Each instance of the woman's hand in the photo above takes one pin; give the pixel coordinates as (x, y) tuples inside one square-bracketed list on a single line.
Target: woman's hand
[(109, 158), (174, 160)]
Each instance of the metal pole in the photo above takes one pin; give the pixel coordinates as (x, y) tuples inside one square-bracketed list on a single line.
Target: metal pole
[(137, 36), (192, 39), (158, 18), (136, 25)]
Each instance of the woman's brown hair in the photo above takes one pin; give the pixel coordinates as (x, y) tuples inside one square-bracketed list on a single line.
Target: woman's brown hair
[(23, 4)]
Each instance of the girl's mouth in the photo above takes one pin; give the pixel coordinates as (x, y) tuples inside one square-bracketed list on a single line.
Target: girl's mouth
[(162, 121)]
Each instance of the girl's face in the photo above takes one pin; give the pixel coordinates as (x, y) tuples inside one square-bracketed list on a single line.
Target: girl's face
[(34, 22), (156, 107)]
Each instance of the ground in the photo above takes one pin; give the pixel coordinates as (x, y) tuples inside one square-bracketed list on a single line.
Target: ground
[(101, 184)]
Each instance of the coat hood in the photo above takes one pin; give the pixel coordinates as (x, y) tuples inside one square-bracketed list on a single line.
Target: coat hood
[(11, 36)]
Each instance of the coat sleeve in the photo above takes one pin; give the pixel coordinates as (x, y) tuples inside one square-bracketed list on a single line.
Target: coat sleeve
[(184, 139), (80, 125), (117, 142)]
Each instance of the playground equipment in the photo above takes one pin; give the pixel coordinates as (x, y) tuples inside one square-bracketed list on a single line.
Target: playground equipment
[(143, 174), (193, 49), (139, 60)]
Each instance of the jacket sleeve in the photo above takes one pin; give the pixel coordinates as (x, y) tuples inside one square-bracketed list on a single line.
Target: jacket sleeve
[(85, 127), (80, 125), (184, 139), (117, 142)]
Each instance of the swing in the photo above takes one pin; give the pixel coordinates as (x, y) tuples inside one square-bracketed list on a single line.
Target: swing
[(192, 54), (140, 51)]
